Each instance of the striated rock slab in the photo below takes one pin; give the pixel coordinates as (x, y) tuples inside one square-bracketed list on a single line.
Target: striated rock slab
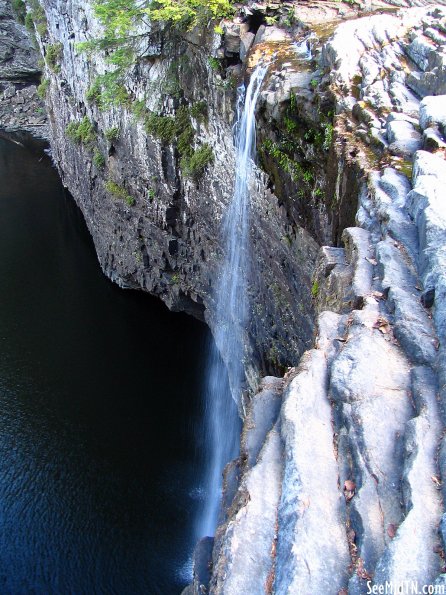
[(312, 551), (245, 560)]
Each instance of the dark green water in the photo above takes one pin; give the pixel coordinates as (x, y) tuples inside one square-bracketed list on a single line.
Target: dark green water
[(100, 409)]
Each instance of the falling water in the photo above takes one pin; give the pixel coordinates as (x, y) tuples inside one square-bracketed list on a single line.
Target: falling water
[(223, 424)]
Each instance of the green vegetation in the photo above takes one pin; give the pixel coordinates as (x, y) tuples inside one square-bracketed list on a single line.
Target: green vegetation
[(120, 19), (36, 18), (82, 132), (150, 194), (42, 89), (119, 192), (297, 172), (194, 165), (108, 90), (53, 54), (98, 159), (178, 130), (19, 9), (315, 289), (199, 110), (214, 63), (112, 134)]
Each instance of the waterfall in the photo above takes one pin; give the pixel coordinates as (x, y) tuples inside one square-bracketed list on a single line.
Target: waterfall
[(231, 316)]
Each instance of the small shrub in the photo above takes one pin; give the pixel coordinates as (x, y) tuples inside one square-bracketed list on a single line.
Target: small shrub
[(81, 132), (119, 192), (194, 166), (162, 127), (112, 134), (42, 89), (199, 110), (36, 18), (53, 54), (150, 194), (219, 30), (139, 109), (29, 23), (19, 9), (93, 94), (214, 63), (98, 159)]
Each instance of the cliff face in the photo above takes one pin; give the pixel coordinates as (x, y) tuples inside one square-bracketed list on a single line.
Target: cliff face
[(21, 109), (348, 236), (154, 227)]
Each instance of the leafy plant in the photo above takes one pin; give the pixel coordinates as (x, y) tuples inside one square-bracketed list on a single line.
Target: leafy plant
[(42, 89), (81, 132), (98, 159), (112, 134), (195, 165), (119, 192), (36, 18), (53, 54), (19, 8), (214, 63)]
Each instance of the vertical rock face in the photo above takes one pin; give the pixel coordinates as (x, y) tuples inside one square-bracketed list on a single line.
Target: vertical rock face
[(154, 227), (362, 416), (340, 483), (21, 109)]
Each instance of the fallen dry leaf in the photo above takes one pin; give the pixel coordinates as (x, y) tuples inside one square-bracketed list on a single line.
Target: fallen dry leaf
[(382, 325), (372, 261), (436, 480), (391, 530), (349, 485), (361, 571)]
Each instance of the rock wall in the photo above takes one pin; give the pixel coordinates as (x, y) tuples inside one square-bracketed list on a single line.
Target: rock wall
[(343, 460), (21, 109), (357, 500), (154, 228)]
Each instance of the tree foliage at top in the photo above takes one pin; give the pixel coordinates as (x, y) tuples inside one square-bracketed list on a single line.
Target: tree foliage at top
[(120, 19)]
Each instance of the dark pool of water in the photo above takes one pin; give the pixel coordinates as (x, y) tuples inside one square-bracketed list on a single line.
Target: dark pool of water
[(100, 409)]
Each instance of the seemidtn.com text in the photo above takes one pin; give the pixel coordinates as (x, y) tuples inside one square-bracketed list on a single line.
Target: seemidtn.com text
[(404, 588)]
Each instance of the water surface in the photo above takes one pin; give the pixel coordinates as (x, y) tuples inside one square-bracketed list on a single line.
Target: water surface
[(100, 409)]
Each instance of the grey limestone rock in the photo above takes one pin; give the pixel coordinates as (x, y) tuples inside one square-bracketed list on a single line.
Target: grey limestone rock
[(312, 551)]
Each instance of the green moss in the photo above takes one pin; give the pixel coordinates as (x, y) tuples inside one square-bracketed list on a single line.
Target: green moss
[(199, 110), (42, 89), (19, 9), (98, 159), (82, 132), (112, 134), (139, 109), (119, 192), (195, 165), (214, 63), (161, 127), (37, 18), (315, 289), (93, 94), (53, 54)]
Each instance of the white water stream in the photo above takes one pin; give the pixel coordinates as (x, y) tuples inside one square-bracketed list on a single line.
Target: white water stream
[(223, 424)]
